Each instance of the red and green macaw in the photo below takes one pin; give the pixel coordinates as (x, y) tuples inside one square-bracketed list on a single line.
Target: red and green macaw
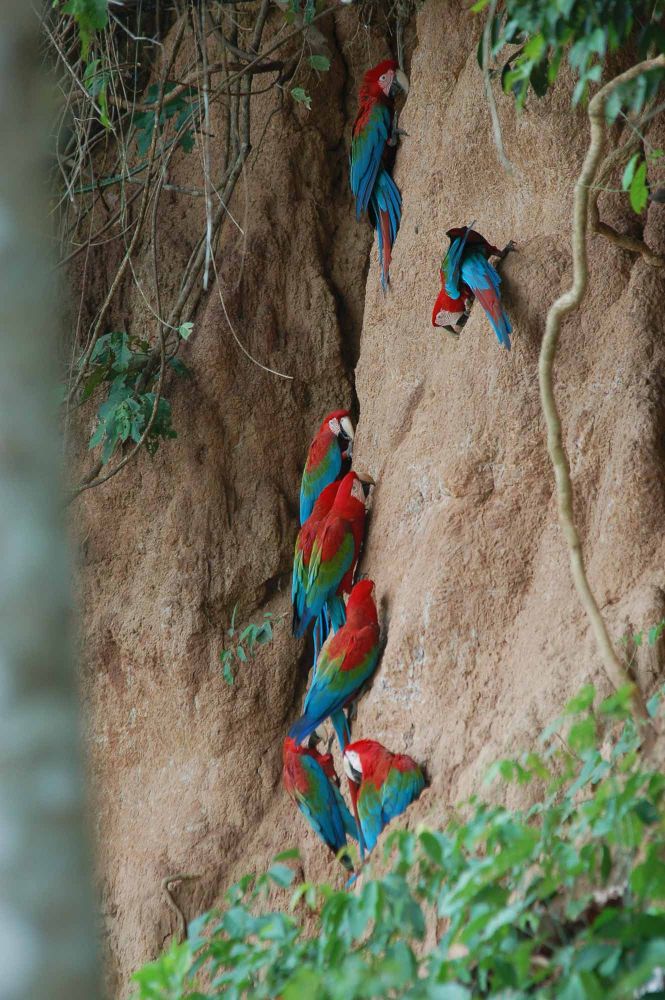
[(301, 559), (310, 779), (328, 454), (383, 785), (373, 142), (347, 660), (335, 553), (466, 274)]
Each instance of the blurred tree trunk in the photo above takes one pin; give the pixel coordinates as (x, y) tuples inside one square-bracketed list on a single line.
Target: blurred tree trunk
[(47, 928)]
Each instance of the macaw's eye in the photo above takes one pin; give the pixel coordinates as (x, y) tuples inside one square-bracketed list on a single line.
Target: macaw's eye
[(382, 78)]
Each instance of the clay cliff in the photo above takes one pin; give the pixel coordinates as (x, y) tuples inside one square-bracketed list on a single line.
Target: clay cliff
[(484, 637)]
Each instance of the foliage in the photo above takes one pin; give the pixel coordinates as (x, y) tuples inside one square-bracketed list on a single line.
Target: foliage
[(652, 635), (563, 899), (119, 361), (182, 108), (244, 643), (587, 32), (90, 15)]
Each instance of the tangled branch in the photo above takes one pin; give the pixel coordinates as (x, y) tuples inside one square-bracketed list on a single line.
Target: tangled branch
[(564, 305)]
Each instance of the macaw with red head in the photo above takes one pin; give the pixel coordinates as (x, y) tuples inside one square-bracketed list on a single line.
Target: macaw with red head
[(373, 141), (466, 274), (335, 552), (347, 660), (310, 779), (301, 560), (383, 785), (329, 456)]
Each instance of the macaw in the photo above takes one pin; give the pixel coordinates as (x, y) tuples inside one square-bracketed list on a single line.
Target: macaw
[(310, 779), (346, 661), (383, 785), (328, 458), (373, 142), (301, 559), (466, 273), (335, 553)]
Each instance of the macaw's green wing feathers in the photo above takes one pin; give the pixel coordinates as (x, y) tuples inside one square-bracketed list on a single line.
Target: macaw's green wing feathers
[(399, 790), (324, 464), (452, 265), (332, 557), (370, 813), (320, 805), (370, 134)]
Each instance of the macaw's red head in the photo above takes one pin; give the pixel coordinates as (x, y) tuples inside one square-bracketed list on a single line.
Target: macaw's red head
[(353, 487), (361, 606), (339, 423), (361, 759), (447, 311), (384, 80)]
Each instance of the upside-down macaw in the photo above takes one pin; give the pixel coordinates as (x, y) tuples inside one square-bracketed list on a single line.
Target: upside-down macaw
[(329, 456), (335, 552), (347, 660), (301, 559), (383, 785), (310, 779), (466, 274), (373, 142)]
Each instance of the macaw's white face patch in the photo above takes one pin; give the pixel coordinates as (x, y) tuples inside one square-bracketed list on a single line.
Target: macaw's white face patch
[(334, 426), (357, 490), (352, 766), (444, 318)]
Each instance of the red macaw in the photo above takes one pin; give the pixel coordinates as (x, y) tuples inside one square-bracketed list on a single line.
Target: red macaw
[(383, 785), (466, 273), (310, 779), (328, 453), (335, 552), (347, 660), (301, 559), (374, 137)]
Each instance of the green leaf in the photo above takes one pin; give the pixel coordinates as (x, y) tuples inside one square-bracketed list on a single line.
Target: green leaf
[(582, 701), (185, 330), (478, 6), (639, 191), (300, 95), (91, 16), (281, 875), (320, 63), (629, 172)]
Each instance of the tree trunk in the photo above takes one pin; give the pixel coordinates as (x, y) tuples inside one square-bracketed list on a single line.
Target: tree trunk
[(47, 932)]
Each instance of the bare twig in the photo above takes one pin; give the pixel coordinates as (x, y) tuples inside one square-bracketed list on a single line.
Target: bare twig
[(565, 304), (489, 93)]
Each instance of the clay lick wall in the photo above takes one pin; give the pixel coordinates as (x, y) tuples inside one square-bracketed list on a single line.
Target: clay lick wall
[(484, 637)]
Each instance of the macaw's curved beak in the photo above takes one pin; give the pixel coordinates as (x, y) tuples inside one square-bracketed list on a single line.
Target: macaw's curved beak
[(400, 81)]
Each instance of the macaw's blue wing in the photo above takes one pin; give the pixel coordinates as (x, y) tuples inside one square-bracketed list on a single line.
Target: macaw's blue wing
[(484, 282), (322, 805), (370, 814), (371, 133), (452, 264), (399, 790), (348, 820)]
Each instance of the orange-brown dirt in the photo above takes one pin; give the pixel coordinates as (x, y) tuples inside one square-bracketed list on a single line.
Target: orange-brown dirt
[(485, 638)]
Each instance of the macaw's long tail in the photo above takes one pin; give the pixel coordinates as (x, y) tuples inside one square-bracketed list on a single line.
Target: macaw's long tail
[(341, 727), (385, 213), (301, 729), (484, 282)]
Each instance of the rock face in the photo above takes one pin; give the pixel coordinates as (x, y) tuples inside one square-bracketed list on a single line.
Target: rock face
[(484, 637)]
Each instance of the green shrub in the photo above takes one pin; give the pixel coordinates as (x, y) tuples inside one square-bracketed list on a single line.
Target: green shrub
[(562, 899)]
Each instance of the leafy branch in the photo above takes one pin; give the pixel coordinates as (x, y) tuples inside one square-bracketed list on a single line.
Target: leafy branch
[(244, 643), (562, 307)]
